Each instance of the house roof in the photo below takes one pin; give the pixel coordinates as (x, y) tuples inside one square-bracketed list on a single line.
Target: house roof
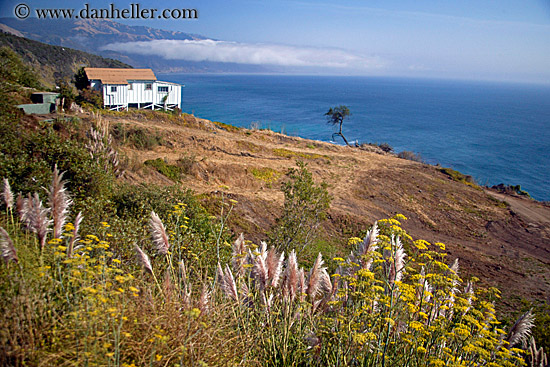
[(171, 83), (119, 76)]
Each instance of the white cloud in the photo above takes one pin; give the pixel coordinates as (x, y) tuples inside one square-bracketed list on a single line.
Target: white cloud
[(242, 53)]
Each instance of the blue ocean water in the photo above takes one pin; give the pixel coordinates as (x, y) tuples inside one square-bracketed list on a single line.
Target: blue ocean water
[(494, 132)]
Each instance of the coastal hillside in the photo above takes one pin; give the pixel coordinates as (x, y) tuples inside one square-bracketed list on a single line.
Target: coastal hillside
[(504, 239), (54, 63), (124, 227)]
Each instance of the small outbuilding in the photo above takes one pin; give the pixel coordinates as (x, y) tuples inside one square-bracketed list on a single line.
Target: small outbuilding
[(42, 103), (136, 88)]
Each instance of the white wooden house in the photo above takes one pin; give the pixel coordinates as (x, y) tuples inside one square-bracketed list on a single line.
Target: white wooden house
[(137, 88)]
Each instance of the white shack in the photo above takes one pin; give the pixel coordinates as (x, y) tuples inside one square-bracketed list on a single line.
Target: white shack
[(137, 88)]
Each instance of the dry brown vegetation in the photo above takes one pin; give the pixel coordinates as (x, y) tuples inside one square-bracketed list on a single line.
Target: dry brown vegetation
[(137, 285), (504, 240)]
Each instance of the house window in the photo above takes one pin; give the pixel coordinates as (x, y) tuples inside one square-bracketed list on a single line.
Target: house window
[(163, 89), (113, 89), (130, 86), (148, 86)]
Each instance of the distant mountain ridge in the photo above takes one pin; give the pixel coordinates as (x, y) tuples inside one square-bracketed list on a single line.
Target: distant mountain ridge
[(90, 35)]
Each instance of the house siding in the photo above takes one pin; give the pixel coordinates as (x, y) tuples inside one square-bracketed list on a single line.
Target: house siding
[(139, 93), (115, 98), (173, 94), (136, 94)]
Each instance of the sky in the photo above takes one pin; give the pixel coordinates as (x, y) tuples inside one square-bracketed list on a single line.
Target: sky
[(501, 40)]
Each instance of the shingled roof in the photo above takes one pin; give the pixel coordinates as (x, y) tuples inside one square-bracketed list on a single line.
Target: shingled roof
[(119, 76)]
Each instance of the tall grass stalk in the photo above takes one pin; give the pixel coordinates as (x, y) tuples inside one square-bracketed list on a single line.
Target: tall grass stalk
[(223, 221)]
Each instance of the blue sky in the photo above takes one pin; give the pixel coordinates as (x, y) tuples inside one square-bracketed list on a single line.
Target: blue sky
[(485, 39)]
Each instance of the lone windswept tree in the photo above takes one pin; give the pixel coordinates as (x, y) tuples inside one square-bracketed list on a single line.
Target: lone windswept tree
[(336, 116)]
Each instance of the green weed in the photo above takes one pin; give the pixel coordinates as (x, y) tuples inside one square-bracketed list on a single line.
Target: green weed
[(266, 174)]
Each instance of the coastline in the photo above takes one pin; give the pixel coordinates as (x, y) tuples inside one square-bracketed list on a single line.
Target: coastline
[(480, 131)]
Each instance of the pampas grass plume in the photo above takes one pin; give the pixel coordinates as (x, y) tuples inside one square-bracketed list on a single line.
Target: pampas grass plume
[(7, 194), (20, 203), (259, 272), (369, 244), (35, 217), (219, 275), (290, 281), (520, 332), (228, 286), (204, 300), (59, 202), (537, 357), (158, 234), (7, 248), (399, 263), (317, 280), (75, 237), (275, 266), (143, 259), (455, 267), (239, 255)]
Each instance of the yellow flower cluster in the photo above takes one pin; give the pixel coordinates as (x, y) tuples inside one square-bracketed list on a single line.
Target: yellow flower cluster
[(424, 316)]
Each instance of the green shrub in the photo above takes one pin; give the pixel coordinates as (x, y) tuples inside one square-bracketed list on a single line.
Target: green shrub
[(226, 127), (91, 97), (66, 92), (186, 163), (305, 207), (81, 81), (411, 156), (14, 71), (458, 177), (511, 189), (285, 153), (541, 331), (136, 137), (386, 147), (173, 172), (131, 201), (28, 156)]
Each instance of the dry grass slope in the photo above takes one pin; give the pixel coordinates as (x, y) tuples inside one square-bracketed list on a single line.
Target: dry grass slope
[(490, 237), (143, 289)]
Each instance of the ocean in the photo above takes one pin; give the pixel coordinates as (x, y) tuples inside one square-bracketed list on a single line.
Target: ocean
[(495, 132)]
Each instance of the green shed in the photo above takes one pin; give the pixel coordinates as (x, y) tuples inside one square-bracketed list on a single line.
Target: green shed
[(42, 103)]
